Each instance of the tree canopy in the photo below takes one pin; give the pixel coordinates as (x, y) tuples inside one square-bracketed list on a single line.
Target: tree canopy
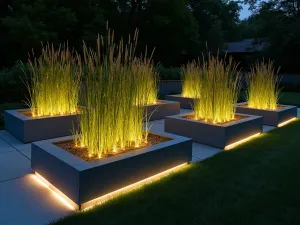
[(177, 28)]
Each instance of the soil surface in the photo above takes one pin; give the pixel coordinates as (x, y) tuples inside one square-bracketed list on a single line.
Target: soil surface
[(236, 118), (82, 152)]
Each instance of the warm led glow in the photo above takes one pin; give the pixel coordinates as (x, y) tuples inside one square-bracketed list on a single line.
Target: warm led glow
[(88, 205), (58, 194), (231, 146), (286, 122)]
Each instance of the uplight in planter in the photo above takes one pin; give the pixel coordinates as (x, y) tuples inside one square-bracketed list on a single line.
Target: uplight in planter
[(213, 120), (54, 83), (263, 94)]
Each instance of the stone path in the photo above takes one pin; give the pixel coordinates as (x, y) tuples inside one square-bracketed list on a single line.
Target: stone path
[(25, 201)]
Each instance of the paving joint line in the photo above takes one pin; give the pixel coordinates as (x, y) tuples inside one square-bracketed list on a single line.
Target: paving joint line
[(16, 149), (2, 181)]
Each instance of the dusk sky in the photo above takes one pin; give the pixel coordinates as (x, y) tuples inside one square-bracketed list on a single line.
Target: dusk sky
[(244, 13)]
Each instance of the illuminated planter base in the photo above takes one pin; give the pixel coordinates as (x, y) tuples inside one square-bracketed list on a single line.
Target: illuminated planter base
[(29, 129), (185, 102), (271, 117), (221, 136), (162, 109), (82, 182)]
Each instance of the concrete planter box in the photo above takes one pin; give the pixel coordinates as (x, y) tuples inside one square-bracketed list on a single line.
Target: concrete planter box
[(271, 117), (162, 109), (29, 129), (220, 136), (82, 182), (185, 102)]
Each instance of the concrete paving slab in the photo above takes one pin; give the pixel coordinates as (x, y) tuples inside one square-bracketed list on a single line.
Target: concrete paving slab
[(201, 151), (13, 141), (185, 111), (13, 165), (26, 152), (267, 128), (25, 201), (5, 147), (194, 160)]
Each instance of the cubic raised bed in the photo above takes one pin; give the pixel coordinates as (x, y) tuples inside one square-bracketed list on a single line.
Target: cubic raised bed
[(28, 129), (275, 118), (224, 136), (85, 184), (162, 109), (185, 102)]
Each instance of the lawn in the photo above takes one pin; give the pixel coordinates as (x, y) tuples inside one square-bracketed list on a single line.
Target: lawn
[(256, 183), (290, 98)]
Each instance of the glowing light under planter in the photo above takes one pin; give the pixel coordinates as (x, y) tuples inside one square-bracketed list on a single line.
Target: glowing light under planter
[(286, 122), (231, 146), (58, 194), (90, 204)]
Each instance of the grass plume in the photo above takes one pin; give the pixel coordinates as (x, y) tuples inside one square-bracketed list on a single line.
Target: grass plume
[(115, 91), (263, 86), (216, 87), (55, 82)]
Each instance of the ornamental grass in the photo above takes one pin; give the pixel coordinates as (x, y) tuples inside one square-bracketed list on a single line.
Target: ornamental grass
[(263, 86), (117, 87), (55, 80)]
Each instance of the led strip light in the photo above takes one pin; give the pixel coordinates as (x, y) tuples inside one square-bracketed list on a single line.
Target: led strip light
[(88, 205), (231, 146)]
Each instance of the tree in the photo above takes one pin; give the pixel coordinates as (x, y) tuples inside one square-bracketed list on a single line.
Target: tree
[(279, 21)]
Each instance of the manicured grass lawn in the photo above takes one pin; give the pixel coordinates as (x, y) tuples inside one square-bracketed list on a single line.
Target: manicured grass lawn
[(290, 98), (256, 183)]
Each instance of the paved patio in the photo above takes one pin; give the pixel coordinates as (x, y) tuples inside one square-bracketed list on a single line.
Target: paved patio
[(25, 201)]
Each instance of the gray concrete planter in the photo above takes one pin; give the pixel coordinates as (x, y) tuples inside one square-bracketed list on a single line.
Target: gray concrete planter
[(162, 109), (185, 102), (271, 117), (29, 129), (220, 136), (84, 182)]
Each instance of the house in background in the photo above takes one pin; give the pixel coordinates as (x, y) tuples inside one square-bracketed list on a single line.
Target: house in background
[(245, 51)]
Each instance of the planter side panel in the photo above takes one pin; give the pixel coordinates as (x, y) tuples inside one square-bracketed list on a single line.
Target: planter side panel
[(199, 132), (269, 117), (185, 103), (160, 111), (29, 129), (63, 176), (14, 125), (287, 114), (104, 179), (239, 131)]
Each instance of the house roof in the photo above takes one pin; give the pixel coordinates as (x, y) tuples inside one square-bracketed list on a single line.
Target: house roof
[(246, 45)]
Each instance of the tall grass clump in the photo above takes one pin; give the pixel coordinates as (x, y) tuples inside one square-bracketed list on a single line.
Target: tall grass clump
[(55, 80), (146, 77), (220, 87), (191, 76), (263, 86), (113, 113)]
